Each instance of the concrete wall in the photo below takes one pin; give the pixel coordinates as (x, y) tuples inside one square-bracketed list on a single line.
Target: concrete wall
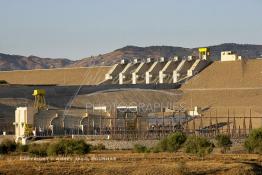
[(23, 116), (153, 73), (198, 66), (125, 77), (126, 73), (66, 76), (166, 73), (176, 72), (113, 73), (139, 74)]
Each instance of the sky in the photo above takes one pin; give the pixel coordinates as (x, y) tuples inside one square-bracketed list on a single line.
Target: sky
[(76, 29)]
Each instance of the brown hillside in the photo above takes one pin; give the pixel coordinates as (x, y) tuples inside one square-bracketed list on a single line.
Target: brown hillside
[(18, 62), (131, 52)]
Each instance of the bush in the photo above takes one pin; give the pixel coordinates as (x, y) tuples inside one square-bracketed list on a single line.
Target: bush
[(38, 149), (224, 142), (155, 149), (22, 148), (162, 145), (253, 142), (172, 142), (199, 146), (69, 147), (140, 149), (7, 146), (99, 146)]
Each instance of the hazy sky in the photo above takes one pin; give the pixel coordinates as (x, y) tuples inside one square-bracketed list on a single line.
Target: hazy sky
[(79, 28)]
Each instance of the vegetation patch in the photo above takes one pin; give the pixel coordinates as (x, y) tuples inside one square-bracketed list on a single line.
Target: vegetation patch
[(224, 142), (253, 142), (141, 149), (22, 148), (38, 149), (172, 142), (68, 147), (7, 146), (199, 146), (99, 146)]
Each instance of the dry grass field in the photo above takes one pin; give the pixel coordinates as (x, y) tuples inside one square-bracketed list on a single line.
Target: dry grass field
[(126, 162)]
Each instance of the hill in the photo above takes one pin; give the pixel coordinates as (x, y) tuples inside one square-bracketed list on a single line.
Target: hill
[(16, 62), (129, 52)]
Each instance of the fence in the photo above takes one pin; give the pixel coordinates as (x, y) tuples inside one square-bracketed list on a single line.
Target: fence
[(140, 127)]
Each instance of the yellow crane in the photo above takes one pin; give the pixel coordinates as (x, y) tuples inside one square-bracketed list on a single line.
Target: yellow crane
[(40, 103), (204, 53)]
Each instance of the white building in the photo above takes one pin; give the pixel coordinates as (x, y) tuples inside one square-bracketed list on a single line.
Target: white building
[(196, 112), (24, 117), (229, 56)]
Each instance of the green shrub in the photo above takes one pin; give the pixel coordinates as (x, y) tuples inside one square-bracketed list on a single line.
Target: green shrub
[(140, 148), (7, 146), (198, 145), (175, 140), (69, 147), (38, 149), (99, 146), (253, 142), (224, 142), (155, 149), (56, 149), (162, 145), (22, 148), (172, 142)]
